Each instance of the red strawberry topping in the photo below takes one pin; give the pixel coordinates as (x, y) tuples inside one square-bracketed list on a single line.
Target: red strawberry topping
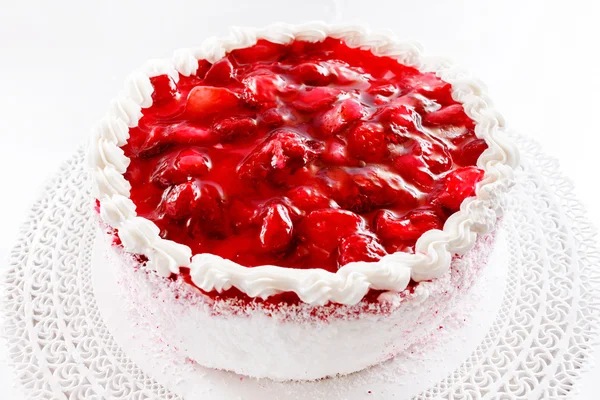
[(307, 155)]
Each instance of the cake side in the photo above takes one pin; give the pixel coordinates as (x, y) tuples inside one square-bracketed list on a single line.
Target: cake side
[(292, 342)]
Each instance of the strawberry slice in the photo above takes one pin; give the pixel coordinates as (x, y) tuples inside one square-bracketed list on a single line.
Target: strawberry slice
[(179, 200), (241, 214), (414, 170), (312, 73), (434, 153), (469, 153), (165, 90), (336, 119), (220, 73), (275, 117), (262, 90), (408, 228), (336, 153), (401, 113), (177, 167), (262, 51), (309, 198), (327, 227), (385, 90), (277, 227), (278, 156), (364, 189), (208, 211), (203, 67), (315, 99), (432, 87), (457, 186), (451, 115), (206, 100), (359, 247)]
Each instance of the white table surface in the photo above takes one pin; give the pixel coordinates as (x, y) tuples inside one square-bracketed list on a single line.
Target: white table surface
[(62, 61)]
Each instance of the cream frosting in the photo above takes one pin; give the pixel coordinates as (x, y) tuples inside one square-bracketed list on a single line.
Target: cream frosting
[(434, 249)]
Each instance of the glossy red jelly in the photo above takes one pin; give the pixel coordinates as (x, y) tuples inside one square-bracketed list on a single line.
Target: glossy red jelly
[(308, 155)]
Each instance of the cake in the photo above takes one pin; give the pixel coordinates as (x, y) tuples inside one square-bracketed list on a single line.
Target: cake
[(299, 202)]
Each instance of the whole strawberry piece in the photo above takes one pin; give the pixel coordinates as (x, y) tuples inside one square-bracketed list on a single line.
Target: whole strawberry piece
[(359, 247), (309, 198), (336, 119), (346, 75), (210, 202), (193, 162), (277, 228), (381, 187)]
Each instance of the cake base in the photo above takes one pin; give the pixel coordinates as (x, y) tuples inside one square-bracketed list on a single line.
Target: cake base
[(293, 342)]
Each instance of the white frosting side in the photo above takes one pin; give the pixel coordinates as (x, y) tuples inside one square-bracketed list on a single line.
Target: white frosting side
[(292, 342), (434, 249)]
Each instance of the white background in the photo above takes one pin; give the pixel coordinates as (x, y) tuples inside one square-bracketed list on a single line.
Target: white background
[(62, 61)]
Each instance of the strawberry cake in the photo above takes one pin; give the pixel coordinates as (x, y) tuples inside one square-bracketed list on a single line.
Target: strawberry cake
[(299, 202)]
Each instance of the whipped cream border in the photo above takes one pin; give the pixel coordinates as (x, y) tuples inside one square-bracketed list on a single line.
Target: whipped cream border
[(434, 249)]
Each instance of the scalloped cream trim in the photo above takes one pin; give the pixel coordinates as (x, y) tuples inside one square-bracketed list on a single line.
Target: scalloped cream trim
[(433, 250)]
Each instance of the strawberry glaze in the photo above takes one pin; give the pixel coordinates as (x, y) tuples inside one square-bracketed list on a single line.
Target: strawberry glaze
[(309, 155)]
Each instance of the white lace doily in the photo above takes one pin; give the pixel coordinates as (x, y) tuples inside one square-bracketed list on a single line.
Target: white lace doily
[(537, 346)]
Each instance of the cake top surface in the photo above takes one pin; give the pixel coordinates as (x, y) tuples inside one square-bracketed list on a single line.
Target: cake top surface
[(304, 155), (320, 160)]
